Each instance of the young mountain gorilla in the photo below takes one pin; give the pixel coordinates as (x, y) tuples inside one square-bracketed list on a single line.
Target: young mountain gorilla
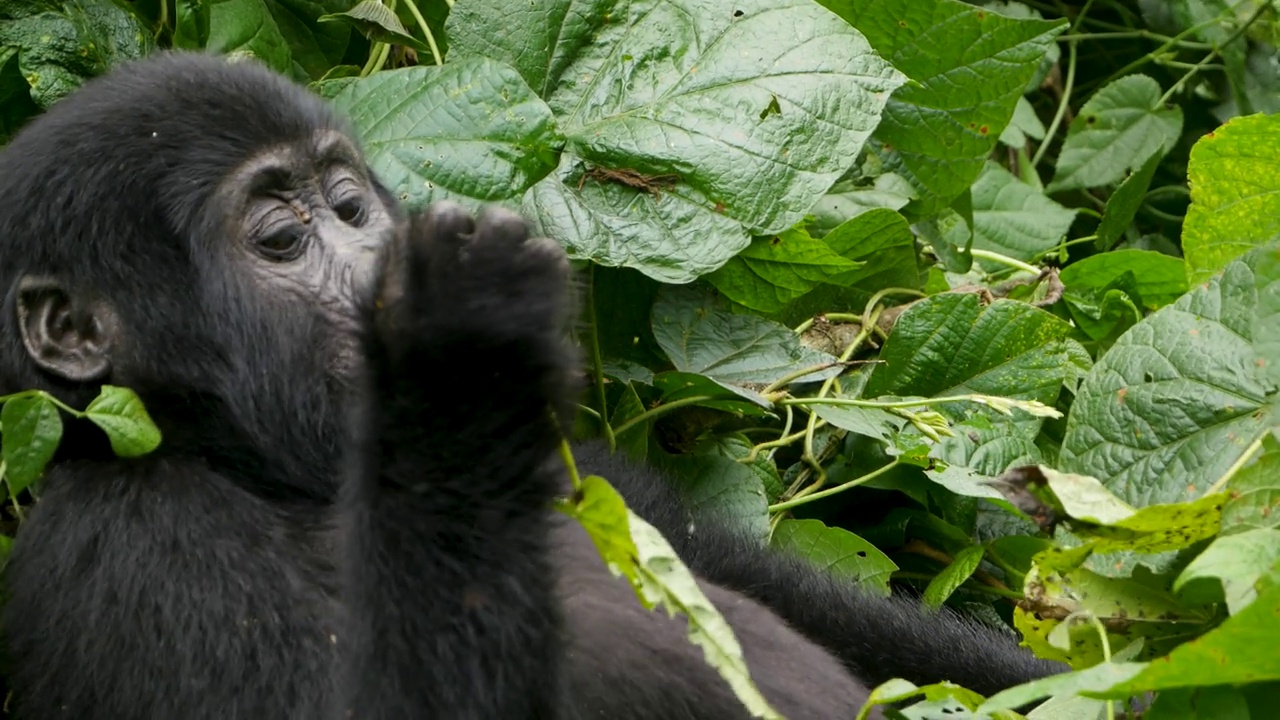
[(318, 535)]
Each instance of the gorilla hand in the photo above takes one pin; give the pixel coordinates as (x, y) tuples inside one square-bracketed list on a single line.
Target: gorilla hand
[(458, 490)]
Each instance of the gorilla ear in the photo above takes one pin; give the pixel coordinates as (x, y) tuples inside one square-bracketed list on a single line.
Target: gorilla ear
[(64, 335)]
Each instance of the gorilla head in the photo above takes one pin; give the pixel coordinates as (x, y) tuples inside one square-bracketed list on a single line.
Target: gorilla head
[(207, 252)]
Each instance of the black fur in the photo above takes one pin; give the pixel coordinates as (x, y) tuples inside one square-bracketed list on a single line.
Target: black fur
[(308, 545)]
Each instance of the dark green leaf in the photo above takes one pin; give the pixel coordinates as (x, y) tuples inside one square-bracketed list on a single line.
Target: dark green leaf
[(32, 430)]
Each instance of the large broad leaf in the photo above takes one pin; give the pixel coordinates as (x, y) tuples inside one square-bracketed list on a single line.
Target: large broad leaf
[(471, 130), (970, 66), (1011, 217), (726, 110), (62, 44), (1178, 397), (1117, 130), (1235, 194)]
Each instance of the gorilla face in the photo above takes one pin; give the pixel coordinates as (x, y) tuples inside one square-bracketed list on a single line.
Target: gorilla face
[(309, 220)]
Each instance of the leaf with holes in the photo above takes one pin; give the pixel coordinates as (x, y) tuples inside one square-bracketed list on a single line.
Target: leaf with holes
[(837, 551), (729, 105)]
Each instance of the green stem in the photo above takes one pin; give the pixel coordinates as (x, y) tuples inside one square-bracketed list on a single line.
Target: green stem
[(597, 362), (795, 502), (1004, 260), (426, 30), (659, 411), (566, 455)]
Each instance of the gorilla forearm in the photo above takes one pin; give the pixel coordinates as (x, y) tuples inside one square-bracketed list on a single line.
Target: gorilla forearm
[(442, 521)]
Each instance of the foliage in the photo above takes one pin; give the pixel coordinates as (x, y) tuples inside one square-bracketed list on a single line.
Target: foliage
[(983, 298)]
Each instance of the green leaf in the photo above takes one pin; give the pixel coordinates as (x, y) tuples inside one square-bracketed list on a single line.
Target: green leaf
[(1255, 491), (1235, 194), (16, 105), (470, 130), (1118, 129), (1238, 561), (246, 27), (1176, 400), (881, 243), (950, 344), (718, 488), (32, 431), (969, 66), (634, 549), (773, 271), (837, 551), (315, 47), (1266, 321), (119, 412), (669, 88), (950, 579), (1011, 217), (61, 44), (378, 23), (1123, 204), (1202, 703), (1158, 279), (1237, 652), (733, 350)]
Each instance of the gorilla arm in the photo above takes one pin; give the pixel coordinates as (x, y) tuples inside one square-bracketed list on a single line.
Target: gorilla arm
[(452, 609), (877, 638)]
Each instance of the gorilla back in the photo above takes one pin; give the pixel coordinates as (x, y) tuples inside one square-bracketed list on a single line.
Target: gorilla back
[(317, 536)]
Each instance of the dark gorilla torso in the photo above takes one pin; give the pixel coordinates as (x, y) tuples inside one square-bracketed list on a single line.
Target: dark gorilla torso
[(319, 535)]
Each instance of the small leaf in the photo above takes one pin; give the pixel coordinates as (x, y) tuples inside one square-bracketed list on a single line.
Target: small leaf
[(774, 270), (837, 551), (247, 27), (1011, 217), (32, 430), (378, 23), (1123, 204), (732, 349), (1118, 129), (950, 579), (119, 412), (1158, 279)]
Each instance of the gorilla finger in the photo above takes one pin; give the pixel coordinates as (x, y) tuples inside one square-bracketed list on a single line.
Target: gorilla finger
[(446, 222), (501, 227)]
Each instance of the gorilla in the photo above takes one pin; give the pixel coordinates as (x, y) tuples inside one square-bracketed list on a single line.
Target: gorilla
[(319, 535)]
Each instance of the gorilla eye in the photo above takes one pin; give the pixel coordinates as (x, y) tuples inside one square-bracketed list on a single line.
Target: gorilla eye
[(350, 211), (346, 197), (283, 245)]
